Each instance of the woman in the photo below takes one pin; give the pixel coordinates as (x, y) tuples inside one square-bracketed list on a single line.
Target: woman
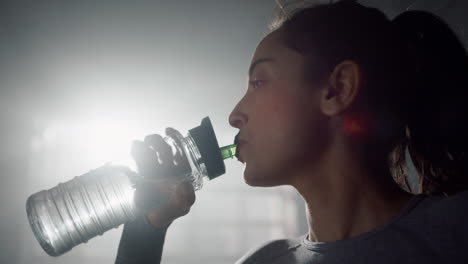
[(337, 94)]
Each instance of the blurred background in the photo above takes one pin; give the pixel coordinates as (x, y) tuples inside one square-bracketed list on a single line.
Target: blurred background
[(80, 80)]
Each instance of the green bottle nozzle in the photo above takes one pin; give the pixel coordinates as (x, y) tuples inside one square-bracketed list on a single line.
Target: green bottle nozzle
[(228, 151)]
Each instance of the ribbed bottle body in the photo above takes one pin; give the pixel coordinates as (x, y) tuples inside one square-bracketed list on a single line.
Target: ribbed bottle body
[(86, 206), (73, 212)]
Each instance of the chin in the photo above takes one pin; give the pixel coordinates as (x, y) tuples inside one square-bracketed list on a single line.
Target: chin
[(262, 179)]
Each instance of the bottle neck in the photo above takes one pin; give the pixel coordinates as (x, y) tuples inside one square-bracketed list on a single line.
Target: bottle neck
[(198, 167)]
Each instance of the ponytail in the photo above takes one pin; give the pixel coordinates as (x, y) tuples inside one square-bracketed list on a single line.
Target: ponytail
[(435, 108)]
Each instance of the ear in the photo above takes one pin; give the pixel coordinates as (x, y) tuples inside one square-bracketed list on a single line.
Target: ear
[(344, 84)]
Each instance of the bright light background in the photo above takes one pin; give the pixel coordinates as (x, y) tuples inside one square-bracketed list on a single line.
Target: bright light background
[(85, 78)]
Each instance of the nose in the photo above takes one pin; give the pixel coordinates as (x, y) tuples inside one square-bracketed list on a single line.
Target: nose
[(237, 118)]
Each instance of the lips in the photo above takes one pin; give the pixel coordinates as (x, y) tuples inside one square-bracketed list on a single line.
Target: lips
[(239, 143)]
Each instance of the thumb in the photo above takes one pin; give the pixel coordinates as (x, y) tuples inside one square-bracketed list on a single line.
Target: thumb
[(186, 194)]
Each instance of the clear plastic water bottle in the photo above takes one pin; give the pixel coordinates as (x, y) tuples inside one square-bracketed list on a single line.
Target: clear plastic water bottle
[(73, 212)]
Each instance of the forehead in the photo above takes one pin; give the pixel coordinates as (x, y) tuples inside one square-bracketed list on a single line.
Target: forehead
[(269, 46), (272, 47)]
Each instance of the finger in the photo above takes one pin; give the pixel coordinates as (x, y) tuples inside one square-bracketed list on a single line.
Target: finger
[(145, 159), (179, 156), (164, 151)]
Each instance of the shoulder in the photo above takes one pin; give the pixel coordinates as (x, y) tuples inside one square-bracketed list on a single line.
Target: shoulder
[(445, 224), (455, 205), (451, 210), (270, 250)]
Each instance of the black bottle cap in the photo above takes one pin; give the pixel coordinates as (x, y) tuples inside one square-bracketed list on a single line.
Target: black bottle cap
[(207, 144)]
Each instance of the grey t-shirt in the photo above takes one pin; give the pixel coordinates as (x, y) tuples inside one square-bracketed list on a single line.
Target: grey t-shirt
[(428, 230)]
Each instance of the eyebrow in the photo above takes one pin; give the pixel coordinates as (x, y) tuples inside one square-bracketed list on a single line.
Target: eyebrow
[(256, 62)]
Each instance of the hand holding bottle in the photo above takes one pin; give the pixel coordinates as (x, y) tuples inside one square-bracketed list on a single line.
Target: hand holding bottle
[(88, 205), (165, 192)]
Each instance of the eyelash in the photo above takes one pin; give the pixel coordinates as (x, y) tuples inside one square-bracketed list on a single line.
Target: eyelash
[(256, 83)]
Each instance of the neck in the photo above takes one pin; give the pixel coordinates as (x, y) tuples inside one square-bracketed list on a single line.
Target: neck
[(347, 196)]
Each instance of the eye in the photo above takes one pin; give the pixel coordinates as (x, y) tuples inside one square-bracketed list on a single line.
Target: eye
[(256, 83)]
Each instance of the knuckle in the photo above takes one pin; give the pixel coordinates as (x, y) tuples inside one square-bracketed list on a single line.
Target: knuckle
[(170, 131), (174, 134), (153, 140), (153, 137)]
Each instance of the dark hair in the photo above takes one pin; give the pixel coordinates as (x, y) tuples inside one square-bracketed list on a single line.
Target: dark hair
[(415, 72)]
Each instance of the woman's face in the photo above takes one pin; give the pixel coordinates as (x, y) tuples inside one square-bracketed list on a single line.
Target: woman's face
[(280, 124)]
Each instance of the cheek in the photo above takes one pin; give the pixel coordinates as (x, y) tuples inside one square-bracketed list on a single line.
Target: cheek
[(289, 134), (278, 106), (280, 114), (282, 128)]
